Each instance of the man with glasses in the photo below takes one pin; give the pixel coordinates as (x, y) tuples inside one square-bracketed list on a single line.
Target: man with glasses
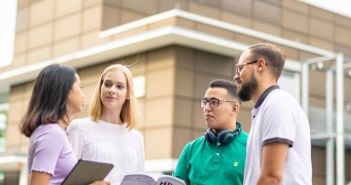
[(217, 157), (279, 144)]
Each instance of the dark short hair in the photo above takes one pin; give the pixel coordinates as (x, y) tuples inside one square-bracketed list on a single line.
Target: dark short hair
[(225, 84), (49, 97), (272, 54)]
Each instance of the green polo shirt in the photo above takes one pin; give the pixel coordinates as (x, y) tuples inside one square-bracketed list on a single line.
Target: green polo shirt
[(203, 163)]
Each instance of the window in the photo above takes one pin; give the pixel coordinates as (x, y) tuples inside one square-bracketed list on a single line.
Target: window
[(139, 86)]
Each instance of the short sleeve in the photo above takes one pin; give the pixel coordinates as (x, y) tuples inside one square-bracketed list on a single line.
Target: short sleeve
[(278, 124), (182, 169), (74, 137), (46, 151)]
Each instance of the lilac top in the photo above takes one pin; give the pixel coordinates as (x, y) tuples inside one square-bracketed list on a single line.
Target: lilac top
[(50, 152)]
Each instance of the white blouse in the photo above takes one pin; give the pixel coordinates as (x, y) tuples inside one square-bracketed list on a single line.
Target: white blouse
[(107, 142)]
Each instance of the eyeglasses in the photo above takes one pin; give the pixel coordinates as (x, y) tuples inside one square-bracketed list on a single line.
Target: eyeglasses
[(239, 67), (213, 102)]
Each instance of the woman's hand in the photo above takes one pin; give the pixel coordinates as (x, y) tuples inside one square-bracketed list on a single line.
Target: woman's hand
[(100, 183)]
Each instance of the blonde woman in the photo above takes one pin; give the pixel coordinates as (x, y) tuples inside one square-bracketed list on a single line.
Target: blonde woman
[(108, 134)]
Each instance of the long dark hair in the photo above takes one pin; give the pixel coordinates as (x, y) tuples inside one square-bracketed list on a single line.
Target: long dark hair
[(49, 97)]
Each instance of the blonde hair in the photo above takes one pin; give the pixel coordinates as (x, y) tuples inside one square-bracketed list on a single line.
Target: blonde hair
[(129, 113)]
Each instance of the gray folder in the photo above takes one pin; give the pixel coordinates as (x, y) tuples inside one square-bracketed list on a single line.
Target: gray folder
[(86, 172)]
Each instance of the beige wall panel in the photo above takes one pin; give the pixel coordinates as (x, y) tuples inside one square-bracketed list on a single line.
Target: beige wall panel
[(317, 83), (267, 28), (322, 43), (172, 4), (110, 17), (295, 21), (146, 7), (129, 16), (289, 52), (243, 7), (244, 117), (201, 84), (197, 133), (62, 30), (260, 12), (199, 122), (17, 93), (181, 136), (22, 3), (14, 136), (159, 112), (67, 46), (41, 11), (343, 49), (162, 58), (184, 83), (65, 7), (136, 63), (160, 83), (88, 3), (321, 14), (294, 36), (183, 112), (236, 19), (320, 28), (28, 92), (38, 55), (343, 21), (158, 143), (40, 36), (19, 60), (343, 35), (16, 111), (215, 64), (184, 57), (246, 39), (306, 55), (214, 31), (296, 5), (88, 90), (91, 39), (92, 18), (21, 42), (22, 22), (204, 10)]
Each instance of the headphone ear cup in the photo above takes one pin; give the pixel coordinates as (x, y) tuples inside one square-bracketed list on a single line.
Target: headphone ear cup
[(226, 136), (210, 136)]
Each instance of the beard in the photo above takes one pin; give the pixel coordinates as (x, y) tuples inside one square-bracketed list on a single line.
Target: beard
[(247, 89)]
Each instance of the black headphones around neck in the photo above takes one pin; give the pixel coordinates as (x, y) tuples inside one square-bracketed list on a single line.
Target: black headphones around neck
[(223, 137)]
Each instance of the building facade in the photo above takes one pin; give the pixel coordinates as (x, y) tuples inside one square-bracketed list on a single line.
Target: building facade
[(174, 48)]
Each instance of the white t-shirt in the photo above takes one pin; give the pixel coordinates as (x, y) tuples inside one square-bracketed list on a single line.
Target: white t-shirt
[(279, 118), (107, 142)]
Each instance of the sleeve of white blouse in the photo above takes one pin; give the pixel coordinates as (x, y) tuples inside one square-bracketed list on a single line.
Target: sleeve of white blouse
[(141, 154), (74, 137)]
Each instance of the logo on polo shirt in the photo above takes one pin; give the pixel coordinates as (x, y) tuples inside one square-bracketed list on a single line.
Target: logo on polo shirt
[(236, 164)]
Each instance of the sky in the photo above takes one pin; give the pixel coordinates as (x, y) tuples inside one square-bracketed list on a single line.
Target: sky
[(342, 7), (8, 20)]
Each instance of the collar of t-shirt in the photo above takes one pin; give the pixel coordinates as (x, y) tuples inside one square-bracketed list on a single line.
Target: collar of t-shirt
[(265, 94)]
